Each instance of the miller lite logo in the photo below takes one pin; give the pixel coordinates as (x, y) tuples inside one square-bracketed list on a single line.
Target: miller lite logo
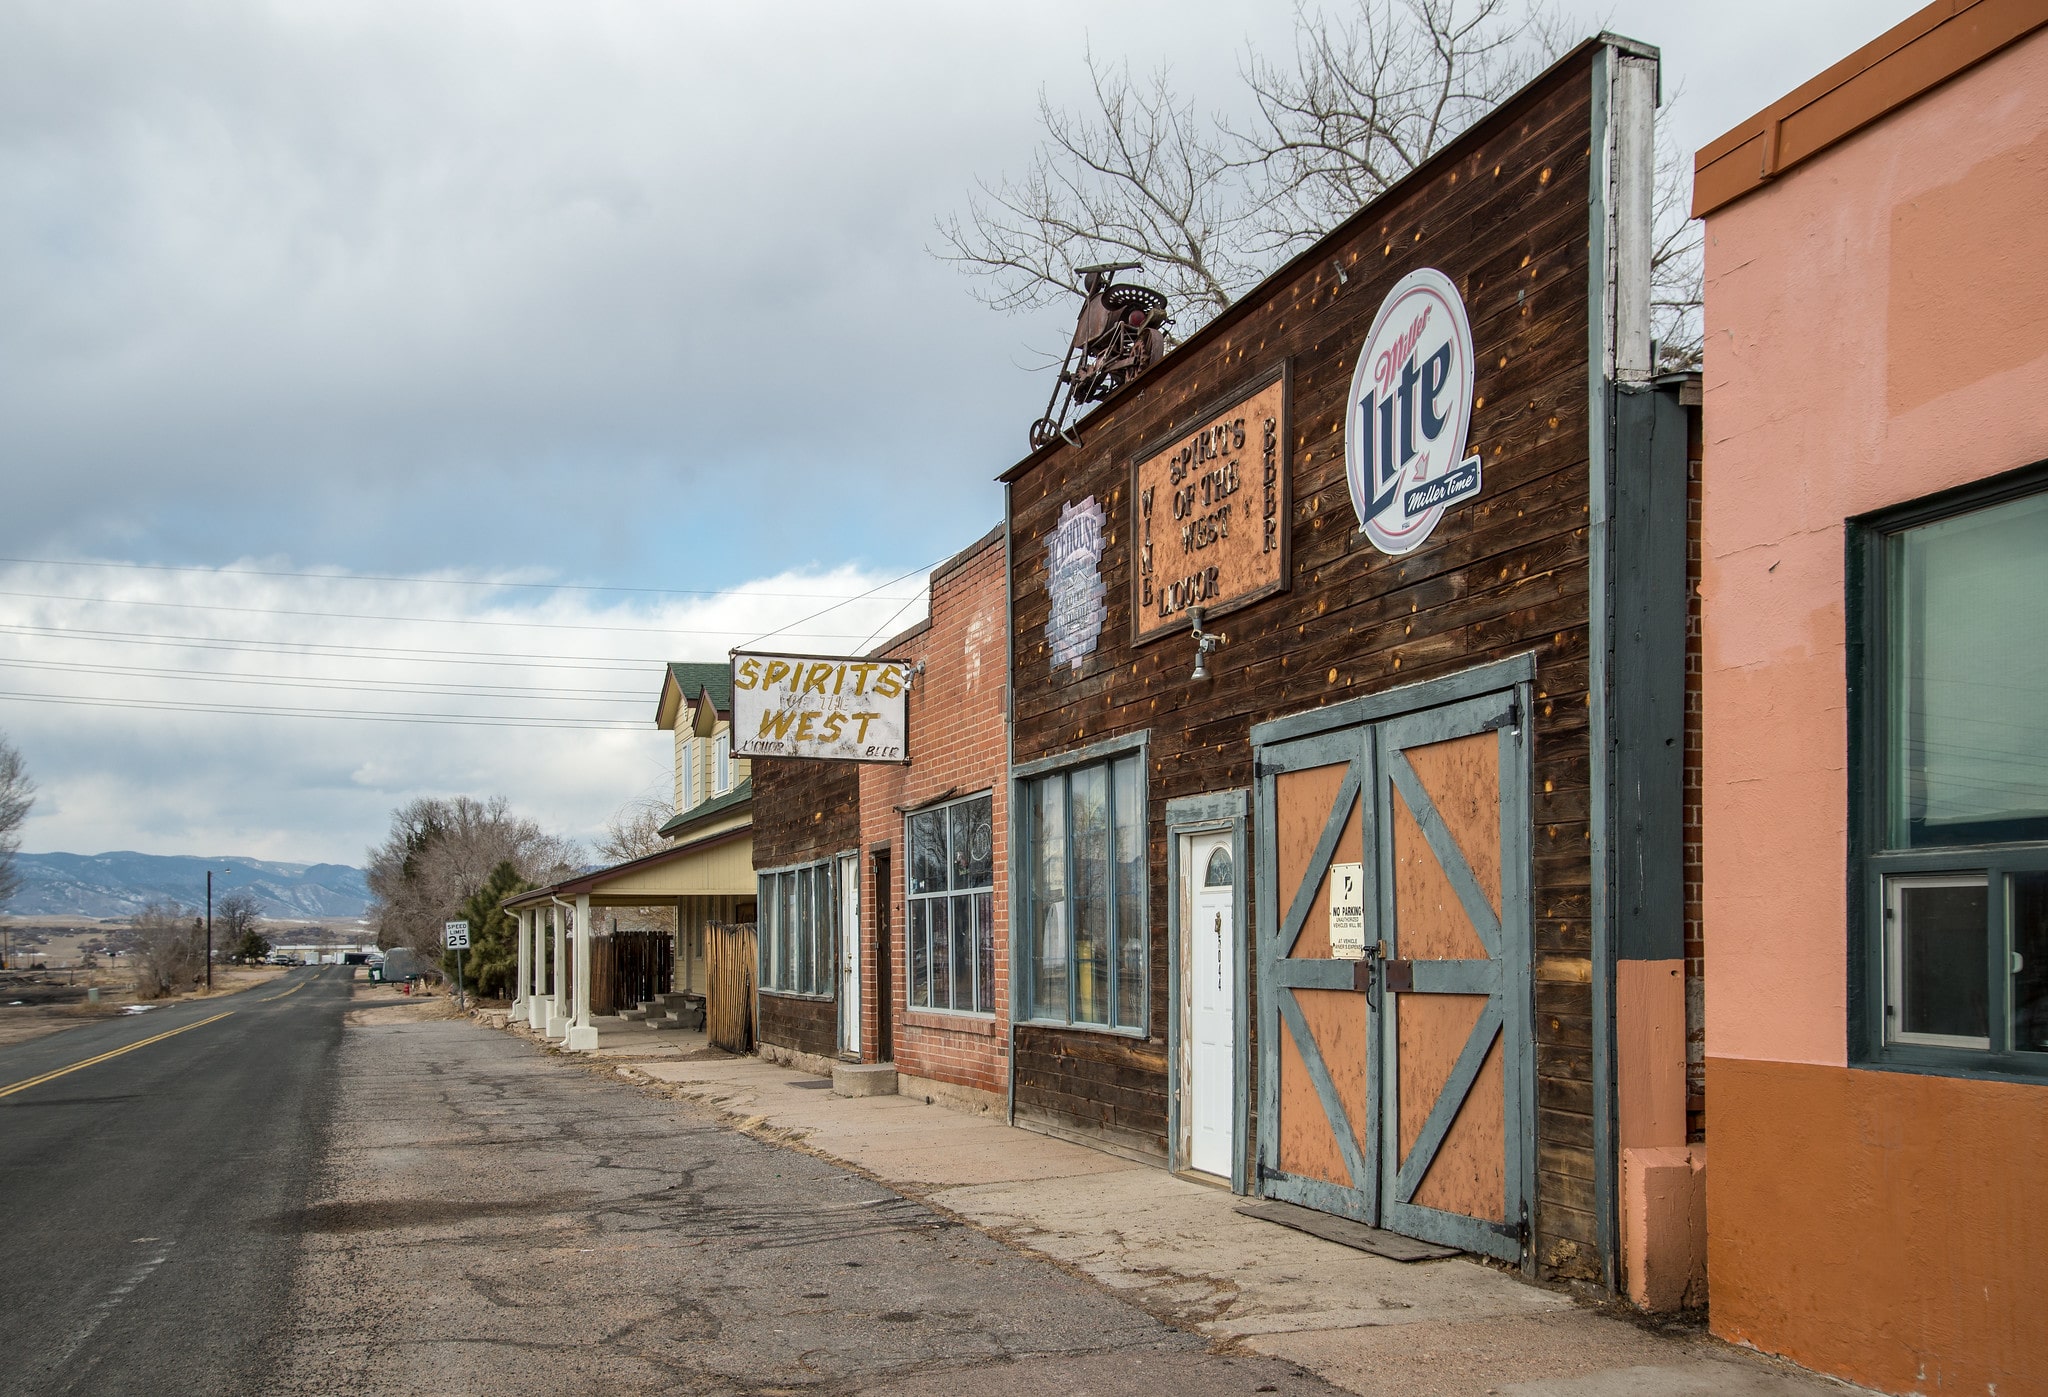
[(1411, 407)]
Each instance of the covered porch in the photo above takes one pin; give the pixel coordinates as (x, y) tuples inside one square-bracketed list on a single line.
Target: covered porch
[(708, 878)]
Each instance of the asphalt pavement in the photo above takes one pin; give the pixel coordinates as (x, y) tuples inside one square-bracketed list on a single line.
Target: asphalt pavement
[(152, 1168)]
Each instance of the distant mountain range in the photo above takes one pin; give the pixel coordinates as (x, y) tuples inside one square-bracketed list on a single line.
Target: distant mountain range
[(120, 884)]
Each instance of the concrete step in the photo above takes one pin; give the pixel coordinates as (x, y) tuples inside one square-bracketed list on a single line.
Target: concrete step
[(640, 1013)]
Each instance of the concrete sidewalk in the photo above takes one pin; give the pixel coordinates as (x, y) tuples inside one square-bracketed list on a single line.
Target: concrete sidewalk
[(1179, 1250)]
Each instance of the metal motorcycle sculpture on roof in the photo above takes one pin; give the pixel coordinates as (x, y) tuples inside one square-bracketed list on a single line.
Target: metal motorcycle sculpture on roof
[(1120, 334)]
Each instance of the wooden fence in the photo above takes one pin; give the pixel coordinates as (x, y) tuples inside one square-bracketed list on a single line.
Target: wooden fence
[(729, 958), (628, 967)]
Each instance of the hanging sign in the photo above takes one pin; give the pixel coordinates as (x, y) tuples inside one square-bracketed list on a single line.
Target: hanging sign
[(1212, 513), (1347, 911), (1411, 407), (825, 707), (1073, 583)]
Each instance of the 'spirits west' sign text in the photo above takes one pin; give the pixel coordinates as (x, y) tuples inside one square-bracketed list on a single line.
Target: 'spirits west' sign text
[(849, 709)]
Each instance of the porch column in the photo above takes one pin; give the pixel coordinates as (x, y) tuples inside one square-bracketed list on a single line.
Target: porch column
[(519, 981), (537, 995), (558, 1008), (582, 1032)]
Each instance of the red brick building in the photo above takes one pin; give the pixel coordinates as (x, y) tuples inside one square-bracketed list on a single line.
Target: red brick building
[(934, 835)]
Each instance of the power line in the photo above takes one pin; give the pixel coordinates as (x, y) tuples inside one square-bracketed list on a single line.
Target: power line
[(314, 649), (432, 581), (489, 720), (287, 681), (816, 614), (440, 620)]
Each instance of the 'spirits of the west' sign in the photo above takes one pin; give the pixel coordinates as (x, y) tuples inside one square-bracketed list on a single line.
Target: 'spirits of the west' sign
[(848, 709), (1411, 406), (1209, 519)]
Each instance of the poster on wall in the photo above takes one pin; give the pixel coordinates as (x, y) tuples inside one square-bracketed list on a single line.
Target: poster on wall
[(1073, 583), (1411, 407), (847, 709), (1212, 512)]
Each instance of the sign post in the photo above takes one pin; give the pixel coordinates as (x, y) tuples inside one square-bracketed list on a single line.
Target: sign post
[(456, 935)]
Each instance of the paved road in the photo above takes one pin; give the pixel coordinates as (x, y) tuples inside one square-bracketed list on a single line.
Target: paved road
[(493, 1219), (282, 1201), (141, 1196)]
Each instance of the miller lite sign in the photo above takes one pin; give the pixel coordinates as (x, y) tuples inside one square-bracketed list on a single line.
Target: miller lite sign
[(1411, 407)]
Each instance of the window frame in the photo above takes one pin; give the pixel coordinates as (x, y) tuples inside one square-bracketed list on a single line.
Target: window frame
[(910, 899), (1023, 957), (1873, 865), (721, 756), (824, 954)]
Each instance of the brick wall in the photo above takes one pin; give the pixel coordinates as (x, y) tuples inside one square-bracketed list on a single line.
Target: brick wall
[(958, 744)]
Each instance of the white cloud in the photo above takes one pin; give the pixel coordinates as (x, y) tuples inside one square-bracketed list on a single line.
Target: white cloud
[(104, 697)]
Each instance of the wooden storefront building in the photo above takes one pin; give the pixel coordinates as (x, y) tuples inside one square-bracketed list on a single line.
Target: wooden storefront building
[(1381, 912)]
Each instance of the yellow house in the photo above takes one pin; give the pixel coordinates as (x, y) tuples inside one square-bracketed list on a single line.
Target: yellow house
[(706, 873)]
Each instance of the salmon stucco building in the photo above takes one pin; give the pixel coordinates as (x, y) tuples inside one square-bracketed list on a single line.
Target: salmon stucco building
[(1875, 582)]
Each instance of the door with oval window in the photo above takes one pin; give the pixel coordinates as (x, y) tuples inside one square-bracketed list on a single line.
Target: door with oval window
[(1208, 980)]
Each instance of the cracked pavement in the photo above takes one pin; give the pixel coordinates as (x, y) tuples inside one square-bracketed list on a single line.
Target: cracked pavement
[(487, 1218)]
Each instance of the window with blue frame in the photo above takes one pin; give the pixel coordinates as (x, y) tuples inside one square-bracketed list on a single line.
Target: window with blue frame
[(1087, 946), (1950, 690)]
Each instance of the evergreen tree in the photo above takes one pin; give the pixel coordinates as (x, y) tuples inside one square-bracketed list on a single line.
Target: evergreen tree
[(492, 961)]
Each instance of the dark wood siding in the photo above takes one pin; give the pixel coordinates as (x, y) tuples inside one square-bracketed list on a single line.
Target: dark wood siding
[(804, 810), (792, 1021), (1504, 214)]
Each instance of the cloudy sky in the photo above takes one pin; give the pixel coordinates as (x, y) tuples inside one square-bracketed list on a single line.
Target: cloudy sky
[(297, 297)]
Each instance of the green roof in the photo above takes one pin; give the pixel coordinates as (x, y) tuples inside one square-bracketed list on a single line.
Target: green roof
[(718, 805), (694, 679)]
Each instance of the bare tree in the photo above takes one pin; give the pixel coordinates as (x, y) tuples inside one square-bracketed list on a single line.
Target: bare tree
[(1369, 97), (235, 919), (1210, 204), (634, 831), (17, 797), (1138, 176), (169, 949), (631, 833), (440, 851)]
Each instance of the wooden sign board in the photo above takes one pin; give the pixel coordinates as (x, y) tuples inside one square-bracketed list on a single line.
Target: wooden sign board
[(1211, 509)]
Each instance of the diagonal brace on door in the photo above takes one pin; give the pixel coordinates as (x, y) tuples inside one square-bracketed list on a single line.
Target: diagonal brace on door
[(1449, 856), (1326, 1091), (1326, 849), (1448, 1102)]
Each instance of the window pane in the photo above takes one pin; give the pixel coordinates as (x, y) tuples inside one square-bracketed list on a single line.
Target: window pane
[(985, 939), (785, 937), (2028, 917), (1049, 898), (920, 984), (1967, 606), (1942, 960), (942, 953), (964, 954), (928, 852), (1130, 896), (821, 943), (1090, 814), (974, 844)]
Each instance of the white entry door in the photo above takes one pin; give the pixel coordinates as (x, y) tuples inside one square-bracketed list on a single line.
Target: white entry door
[(849, 955), (1208, 1003)]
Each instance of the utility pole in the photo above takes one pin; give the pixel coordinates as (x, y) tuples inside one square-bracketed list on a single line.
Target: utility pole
[(209, 925)]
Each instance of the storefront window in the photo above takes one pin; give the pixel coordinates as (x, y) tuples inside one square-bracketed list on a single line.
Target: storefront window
[(795, 930), (1086, 855), (950, 927), (1954, 838)]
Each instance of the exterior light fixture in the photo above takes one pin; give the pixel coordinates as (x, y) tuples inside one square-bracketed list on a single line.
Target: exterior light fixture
[(1205, 641)]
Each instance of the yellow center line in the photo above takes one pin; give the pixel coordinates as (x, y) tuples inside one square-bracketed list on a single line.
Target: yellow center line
[(270, 999), (65, 1071)]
